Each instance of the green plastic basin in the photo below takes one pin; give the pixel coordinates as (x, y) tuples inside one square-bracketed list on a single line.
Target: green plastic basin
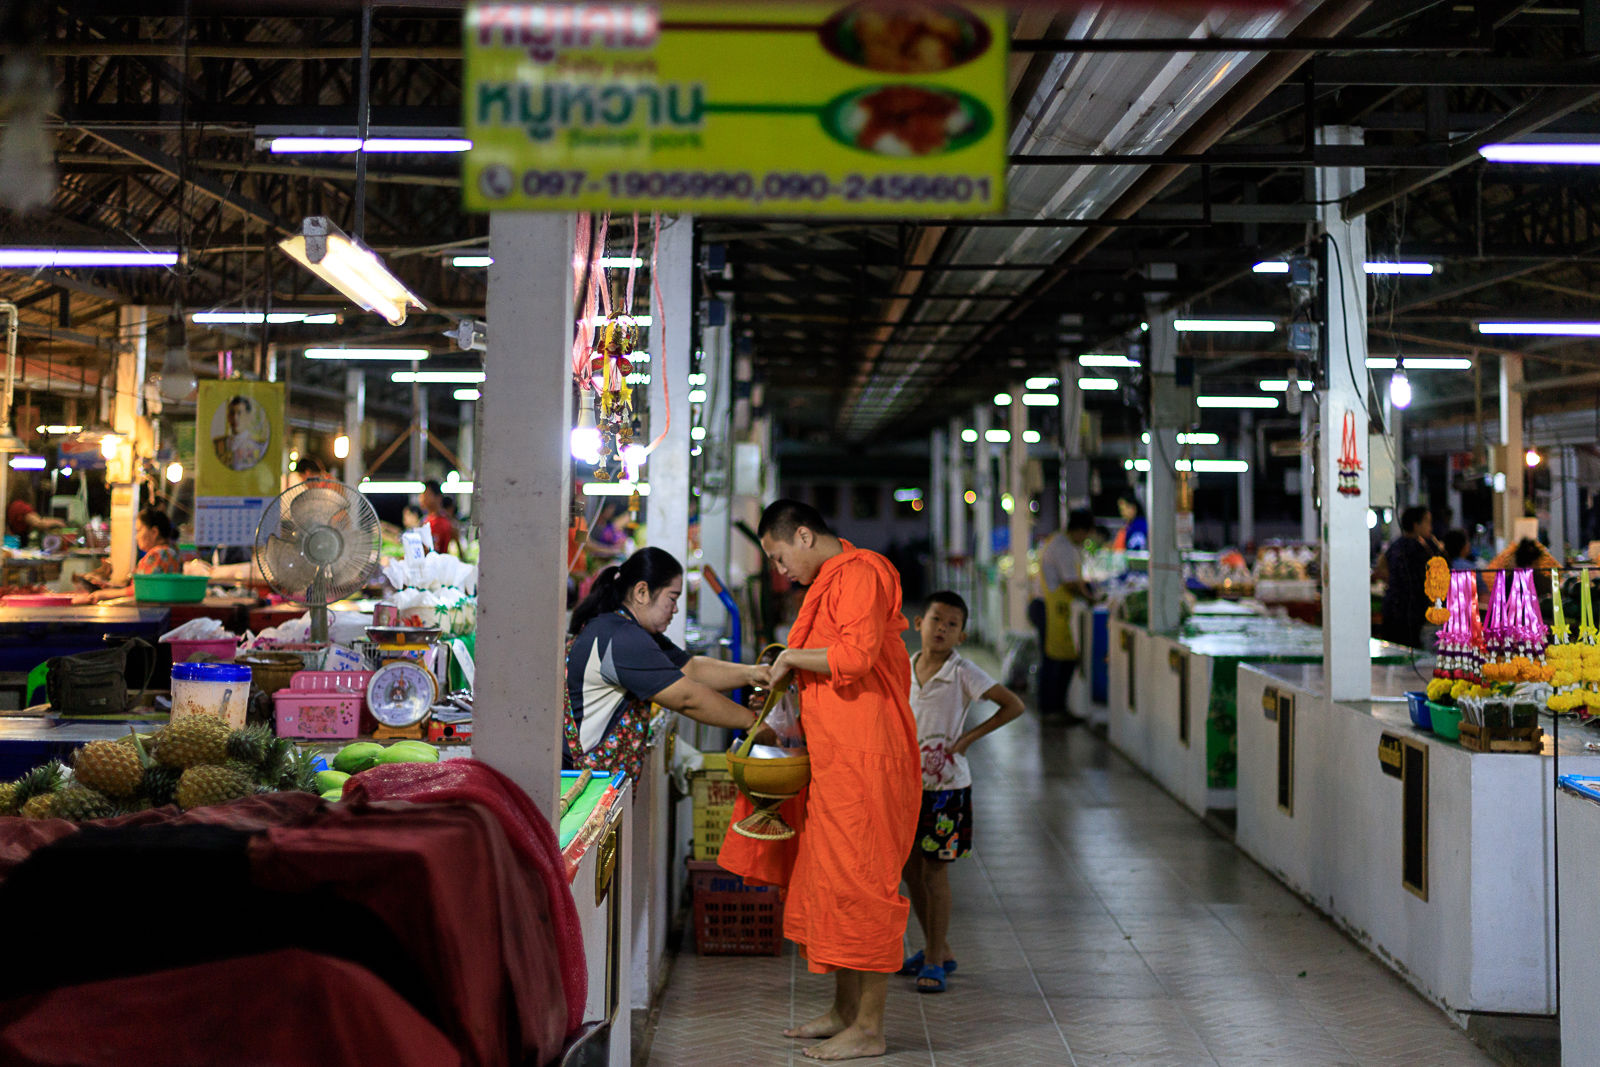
[(1446, 720), (170, 588)]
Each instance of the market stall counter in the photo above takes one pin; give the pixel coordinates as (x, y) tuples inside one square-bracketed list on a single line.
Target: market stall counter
[(1439, 859), (1578, 848), (1174, 708), (596, 837), (31, 635)]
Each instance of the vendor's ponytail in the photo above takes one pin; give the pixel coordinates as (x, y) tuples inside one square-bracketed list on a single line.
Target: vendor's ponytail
[(652, 566)]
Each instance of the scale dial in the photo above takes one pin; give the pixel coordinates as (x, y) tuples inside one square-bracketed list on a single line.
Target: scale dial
[(401, 693)]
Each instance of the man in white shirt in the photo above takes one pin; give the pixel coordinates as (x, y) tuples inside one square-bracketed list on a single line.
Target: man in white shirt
[(1061, 571)]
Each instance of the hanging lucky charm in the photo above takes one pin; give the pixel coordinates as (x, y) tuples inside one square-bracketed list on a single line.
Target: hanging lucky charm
[(609, 368), (1349, 458), (1436, 587)]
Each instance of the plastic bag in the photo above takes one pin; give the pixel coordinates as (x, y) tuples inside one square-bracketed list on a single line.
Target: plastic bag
[(198, 630)]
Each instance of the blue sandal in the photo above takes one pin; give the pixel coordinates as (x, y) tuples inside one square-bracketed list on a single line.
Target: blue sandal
[(931, 973), (913, 965)]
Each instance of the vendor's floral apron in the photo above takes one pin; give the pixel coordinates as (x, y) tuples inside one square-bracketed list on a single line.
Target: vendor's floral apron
[(624, 747)]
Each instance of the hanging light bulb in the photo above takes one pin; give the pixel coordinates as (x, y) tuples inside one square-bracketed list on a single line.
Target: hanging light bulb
[(1532, 457), (174, 473), (109, 445), (176, 381), (341, 446), (1400, 389)]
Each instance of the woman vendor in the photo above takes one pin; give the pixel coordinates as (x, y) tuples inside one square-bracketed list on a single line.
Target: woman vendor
[(618, 664), (154, 534)]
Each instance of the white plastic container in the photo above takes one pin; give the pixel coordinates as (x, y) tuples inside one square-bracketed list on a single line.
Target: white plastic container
[(221, 689)]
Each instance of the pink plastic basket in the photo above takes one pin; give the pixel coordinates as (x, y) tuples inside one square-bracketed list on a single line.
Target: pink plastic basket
[(221, 650), (321, 704)]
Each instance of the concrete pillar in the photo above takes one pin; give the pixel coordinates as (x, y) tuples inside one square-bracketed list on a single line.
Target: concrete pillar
[(667, 470), (956, 493), (1508, 502), (716, 490), (1308, 475), (1247, 478), (419, 431), (133, 327), (1161, 497), (355, 417), (1071, 436), (938, 503), (1557, 459), (525, 471), (466, 451), (1346, 599), (983, 521), (1021, 517)]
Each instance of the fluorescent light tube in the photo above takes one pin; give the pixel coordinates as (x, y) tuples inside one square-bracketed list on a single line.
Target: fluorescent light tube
[(1271, 266), (1041, 400), (468, 394), (1136, 465), (405, 354), (282, 145), (1236, 401), (1382, 363), (1224, 325), (1542, 329), (380, 487), (350, 267), (1214, 466), (1385, 267), (1438, 363), (616, 488), (969, 436), (255, 318), (1041, 383), (1571, 153), (1098, 385), (85, 257), (1030, 437), (28, 463), (59, 431), (437, 377), (997, 437), (697, 396), (1196, 439), (471, 261), (1104, 360), (1002, 400), (1281, 385)]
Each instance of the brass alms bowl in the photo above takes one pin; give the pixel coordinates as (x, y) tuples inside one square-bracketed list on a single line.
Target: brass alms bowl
[(767, 781)]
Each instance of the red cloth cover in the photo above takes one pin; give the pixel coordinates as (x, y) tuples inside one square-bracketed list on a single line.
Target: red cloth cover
[(530, 833), (217, 1013)]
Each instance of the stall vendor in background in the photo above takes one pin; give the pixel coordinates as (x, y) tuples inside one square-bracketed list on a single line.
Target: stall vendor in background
[(154, 534), (1403, 566), (1135, 533), (618, 664), (844, 909), (21, 517), (442, 525)]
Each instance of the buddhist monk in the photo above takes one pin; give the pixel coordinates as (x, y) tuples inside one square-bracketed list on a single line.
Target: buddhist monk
[(844, 909)]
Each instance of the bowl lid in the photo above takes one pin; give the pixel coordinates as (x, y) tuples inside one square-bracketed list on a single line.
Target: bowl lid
[(209, 672)]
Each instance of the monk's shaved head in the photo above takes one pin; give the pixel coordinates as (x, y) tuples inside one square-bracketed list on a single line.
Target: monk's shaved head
[(782, 518)]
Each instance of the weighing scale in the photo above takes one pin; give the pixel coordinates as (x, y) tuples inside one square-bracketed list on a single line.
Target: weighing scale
[(402, 690)]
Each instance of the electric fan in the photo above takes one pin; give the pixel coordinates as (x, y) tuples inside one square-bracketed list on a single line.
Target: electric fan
[(318, 542)]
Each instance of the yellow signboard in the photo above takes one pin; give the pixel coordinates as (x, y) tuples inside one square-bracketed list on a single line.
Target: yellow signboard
[(764, 109)]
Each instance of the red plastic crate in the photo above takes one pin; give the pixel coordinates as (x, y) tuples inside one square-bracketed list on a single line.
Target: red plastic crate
[(731, 918)]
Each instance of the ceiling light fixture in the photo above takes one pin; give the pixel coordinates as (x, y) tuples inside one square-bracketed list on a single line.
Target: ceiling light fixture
[(471, 261), (1281, 385), (256, 318), (1198, 439), (997, 437), (468, 394), (1040, 400), (1031, 437), (616, 488), (1002, 400), (56, 258), (1224, 325), (1438, 363), (1557, 152), (1400, 389), (350, 267), (1542, 329), (331, 145), (437, 377), (1041, 383), (1382, 362), (1236, 401), (388, 354), (1373, 266), (374, 487), (1098, 385), (1098, 359), (969, 436)]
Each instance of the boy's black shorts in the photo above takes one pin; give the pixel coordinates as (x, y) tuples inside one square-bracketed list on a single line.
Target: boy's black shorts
[(944, 828)]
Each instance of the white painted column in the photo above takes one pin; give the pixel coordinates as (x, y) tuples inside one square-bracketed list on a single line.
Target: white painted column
[(355, 418), (1508, 503), (956, 496), (716, 492), (1557, 459), (1247, 478), (938, 508), (667, 470), (419, 431), (1072, 406), (983, 523), (1308, 474), (1346, 600), (1571, 512), (133, 327), (1021, 517), (526, 475), (466, 451), (1161, 497)]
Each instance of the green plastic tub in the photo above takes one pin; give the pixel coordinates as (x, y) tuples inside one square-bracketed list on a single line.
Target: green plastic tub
[(170, 588), (1446, 720)]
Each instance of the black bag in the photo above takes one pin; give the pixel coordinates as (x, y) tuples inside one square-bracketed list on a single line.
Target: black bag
[(93, 683)]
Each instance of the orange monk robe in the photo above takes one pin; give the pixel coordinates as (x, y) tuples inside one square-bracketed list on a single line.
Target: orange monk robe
[(844, 908)]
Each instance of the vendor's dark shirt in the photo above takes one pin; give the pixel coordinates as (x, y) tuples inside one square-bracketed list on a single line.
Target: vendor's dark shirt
[(1404, 602), (613, 660)]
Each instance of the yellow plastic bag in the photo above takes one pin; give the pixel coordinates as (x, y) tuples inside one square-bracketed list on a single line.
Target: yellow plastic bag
[(1058, 638)]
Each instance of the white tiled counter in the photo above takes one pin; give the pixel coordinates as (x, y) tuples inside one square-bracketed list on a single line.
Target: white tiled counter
[(1438, 859), (1578, 846)]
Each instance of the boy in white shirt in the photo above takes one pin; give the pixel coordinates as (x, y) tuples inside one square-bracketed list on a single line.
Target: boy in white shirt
[(944, 685)]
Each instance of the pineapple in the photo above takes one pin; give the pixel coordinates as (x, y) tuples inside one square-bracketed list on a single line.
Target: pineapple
[(299, 774), (193, 741), (41, 781), (80, 804), (160, 784), (205, 785), (109, 767), (40, 806), (249, 745), (8, 797)]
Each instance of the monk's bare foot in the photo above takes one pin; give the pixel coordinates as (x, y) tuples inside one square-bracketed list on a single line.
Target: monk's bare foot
[(827, 1024), (849, 1044)]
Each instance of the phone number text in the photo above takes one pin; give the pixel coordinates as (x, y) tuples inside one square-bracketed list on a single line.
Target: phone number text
[(499, 182)]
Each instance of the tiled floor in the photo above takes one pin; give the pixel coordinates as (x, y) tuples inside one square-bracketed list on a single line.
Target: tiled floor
[(1097, 923)]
